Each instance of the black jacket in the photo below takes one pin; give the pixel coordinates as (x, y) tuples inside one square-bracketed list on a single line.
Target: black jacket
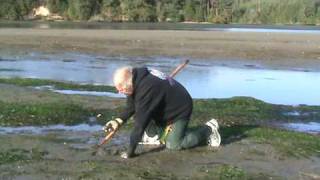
[(155, 99)]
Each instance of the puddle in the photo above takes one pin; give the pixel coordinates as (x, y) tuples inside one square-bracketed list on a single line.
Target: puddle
[(77, 92), (311, 127), (262, 30), (292, 113), (202, 78), (9, 70), (48, 129), (91, 93)]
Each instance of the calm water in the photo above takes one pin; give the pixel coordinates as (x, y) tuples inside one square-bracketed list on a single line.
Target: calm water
[(48, 129), (202, 78), (311, 127), (162, 26)]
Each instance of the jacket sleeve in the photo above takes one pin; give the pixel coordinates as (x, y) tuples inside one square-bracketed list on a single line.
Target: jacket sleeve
[(146, 103), (129, 110)]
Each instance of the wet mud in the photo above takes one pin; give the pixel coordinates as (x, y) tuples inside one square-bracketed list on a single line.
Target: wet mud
[(63, 154), (70, 155)]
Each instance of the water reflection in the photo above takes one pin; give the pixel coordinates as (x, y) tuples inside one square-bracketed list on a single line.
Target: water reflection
[(311, 127), (202, 78), (163, 26), (48, 129)]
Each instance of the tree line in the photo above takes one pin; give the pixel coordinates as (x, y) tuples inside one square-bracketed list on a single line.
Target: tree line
[(216, 11)]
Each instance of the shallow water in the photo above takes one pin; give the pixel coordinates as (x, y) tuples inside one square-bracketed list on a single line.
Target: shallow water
[(263, 30), (48, 129), (90, 93), (163, 26), (311, 127), (202, 78)]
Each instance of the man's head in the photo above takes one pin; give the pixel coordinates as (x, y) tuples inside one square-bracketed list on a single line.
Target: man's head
[(122, 80)]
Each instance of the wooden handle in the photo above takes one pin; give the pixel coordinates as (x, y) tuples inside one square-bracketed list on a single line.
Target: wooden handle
[(178, 69), (107, 138)]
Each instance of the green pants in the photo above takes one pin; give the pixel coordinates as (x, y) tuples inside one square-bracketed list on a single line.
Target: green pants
[(182, 137)]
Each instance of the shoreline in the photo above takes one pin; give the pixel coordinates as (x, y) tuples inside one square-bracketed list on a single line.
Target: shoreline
[(274, 50)]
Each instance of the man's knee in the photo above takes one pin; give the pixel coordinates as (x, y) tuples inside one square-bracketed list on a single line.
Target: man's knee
[(173, 146)]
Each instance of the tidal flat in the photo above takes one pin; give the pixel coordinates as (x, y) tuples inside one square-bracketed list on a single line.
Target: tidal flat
[(271, 49), (252, 148), (253, 145)]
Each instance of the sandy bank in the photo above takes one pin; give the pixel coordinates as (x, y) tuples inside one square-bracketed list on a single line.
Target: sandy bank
[(274, 49)]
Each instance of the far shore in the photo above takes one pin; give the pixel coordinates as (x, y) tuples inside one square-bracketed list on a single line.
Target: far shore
[(277, 50)]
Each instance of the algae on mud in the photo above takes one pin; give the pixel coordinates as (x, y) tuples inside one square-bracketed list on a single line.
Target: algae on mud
[(58, 158), (56, 84), (287, 143), (250, 111), (62, 154), (51, 108), (22, 114)]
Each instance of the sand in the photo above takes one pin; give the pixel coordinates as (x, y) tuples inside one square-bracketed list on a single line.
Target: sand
[(275, 50)]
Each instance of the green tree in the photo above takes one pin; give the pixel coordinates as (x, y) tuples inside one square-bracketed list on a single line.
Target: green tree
[(16, 9), (190, 10), (82, 9), (72, 10), (172, 10), (57, 6), (85, 9), (140, 10), (25, 6), (111, 9), (12, 10)]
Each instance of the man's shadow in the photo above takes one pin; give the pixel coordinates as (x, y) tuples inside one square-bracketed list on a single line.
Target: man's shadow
[(148, 149), (235, 133), (228, 135)]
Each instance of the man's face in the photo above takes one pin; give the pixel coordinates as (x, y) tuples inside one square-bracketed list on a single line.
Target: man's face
[(124, 90)]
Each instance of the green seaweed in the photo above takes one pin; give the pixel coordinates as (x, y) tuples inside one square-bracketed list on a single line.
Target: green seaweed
[(57, 84)]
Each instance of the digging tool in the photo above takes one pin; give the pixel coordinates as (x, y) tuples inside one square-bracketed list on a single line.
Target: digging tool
[(178, 69), (110, 131)]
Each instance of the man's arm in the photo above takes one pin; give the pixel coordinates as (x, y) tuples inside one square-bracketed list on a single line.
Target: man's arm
[(129, 110), (146, 102)]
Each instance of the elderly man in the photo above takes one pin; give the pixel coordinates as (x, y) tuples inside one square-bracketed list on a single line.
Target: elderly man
[(151, 96)]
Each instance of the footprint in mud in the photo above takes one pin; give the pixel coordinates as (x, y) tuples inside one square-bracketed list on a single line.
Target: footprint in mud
[(111, 151)]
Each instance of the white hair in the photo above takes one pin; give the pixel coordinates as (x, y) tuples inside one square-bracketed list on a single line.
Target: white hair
[(123, 77)]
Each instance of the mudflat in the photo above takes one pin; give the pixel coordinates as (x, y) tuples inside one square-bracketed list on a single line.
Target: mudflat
[(276, 50), (252, 153)]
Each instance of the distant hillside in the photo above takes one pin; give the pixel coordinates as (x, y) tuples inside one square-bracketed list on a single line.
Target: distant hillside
[(216, 11)]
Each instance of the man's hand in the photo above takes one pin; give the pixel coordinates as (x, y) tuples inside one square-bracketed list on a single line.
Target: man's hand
[(113, 124), (125, 155)]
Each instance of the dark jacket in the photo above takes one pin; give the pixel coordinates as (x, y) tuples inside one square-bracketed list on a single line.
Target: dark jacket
[(155, 99)]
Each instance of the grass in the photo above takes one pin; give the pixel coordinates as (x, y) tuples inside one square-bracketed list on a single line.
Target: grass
[(20, 155), (230, 172), (238, 110), (23, 114), (229, 112), (249, 111), (239, 117), (56, 84)]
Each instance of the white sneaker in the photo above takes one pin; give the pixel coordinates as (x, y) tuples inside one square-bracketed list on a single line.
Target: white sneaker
[(214, 139), (155, 140)]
